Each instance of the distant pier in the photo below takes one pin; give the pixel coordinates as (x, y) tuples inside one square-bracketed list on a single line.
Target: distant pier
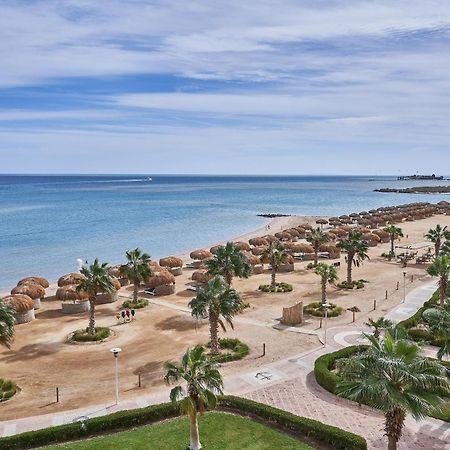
[(420, 177)]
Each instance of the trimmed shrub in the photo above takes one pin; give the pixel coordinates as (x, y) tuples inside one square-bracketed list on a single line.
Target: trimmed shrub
[(335, 437), (279, 287), (315, 309), (8, 389), (358, 284), (238, 351), (83, 335), (141, 303)]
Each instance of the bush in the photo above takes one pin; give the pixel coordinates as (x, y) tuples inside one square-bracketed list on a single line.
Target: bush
[(83, 335), (315, 309), (239, 350), (358, 284), (8, 389), (279, 287), (335, 437), (141, 303), (310, 266)]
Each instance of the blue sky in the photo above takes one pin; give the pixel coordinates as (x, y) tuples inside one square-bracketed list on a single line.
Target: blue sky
[(282, 87)]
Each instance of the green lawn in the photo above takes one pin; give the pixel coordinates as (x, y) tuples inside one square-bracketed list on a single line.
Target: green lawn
[(218, 431)]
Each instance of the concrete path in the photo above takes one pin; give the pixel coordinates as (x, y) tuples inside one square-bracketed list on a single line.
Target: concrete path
[(289, 384)]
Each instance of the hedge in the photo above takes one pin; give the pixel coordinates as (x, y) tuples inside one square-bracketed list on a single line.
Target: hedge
[(335, 437), (324, 365)]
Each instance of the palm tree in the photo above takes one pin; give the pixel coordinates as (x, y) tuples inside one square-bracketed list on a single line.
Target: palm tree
[(438, 320), (378, 325), (275, 255), (391, 376), (215, 302), (229, 262), (203, 382), (96, 279), (316, 237), (438, 235), (356, 248), (394, 233), (441, 268), (445, 248), (7, 322), (328, 274), (137, 269)]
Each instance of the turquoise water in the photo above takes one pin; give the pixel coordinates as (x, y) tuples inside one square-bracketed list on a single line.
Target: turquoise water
[(47, 222)]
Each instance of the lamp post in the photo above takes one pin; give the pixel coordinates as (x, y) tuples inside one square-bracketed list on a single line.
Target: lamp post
[(404, 285), (325, 306), (115, 351)]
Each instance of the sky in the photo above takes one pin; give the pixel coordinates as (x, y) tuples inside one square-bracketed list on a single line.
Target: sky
[(225, 87)]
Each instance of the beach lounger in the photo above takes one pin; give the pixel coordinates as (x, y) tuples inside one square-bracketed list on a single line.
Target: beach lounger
[(150, 291)]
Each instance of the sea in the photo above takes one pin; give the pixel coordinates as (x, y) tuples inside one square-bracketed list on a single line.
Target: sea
[(47, 222)]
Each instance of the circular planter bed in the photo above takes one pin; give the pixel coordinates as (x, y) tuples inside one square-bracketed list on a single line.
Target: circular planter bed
[(315, 309), (279, 287), (102, 334), (141, 303), (358, 284), (7, 389), (237, 350)]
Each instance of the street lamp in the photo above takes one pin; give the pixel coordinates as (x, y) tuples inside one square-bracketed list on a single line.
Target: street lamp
[(325, 306), (115, 351), (404, 285)]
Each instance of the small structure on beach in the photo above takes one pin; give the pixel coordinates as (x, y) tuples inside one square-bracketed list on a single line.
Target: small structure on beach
[(116, 272), (73, 301), (163, 283), (37, 280), (293, 315), (34, 291), (70, 278), (109, 297), (23, 307), (173, 264), (199, 256), (201, 277)]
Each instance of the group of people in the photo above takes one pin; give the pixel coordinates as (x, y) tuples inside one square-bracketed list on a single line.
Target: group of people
[(126, 315)]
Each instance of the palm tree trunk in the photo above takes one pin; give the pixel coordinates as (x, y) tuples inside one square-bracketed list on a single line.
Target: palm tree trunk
[(91, 328), (135, 291), (195, 439), (392, 244), (214, 333), (274, 275), (443, 288), (316, 256), (324, 290), (393, 425), (437, 248), (349, 268), (229, 279)]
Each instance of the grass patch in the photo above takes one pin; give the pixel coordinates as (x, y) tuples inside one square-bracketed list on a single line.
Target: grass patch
[(279, 287), (7, 389), (141, 303), (218, 431), (83, 335), (358, 284), (315, 309), (238, 350)]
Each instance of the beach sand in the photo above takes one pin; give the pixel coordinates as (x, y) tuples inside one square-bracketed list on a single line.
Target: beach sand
[(41, 359)]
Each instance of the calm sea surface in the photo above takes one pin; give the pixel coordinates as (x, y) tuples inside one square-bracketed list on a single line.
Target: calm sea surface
[(47, 222)]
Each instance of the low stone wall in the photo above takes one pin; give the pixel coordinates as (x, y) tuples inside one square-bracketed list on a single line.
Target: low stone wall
[(36, 303), (106, 298), (286, 268), (165, 289), (75, 308), (176, 271), (24, 317)]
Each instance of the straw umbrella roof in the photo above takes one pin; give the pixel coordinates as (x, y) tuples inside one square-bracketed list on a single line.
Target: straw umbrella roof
[(381, 233), (21, 303), (215, 248), (69, 292), (330, 248), (293, 232), (306, 226), (115, 271), (331, 235), (258, 241), (303, 248), (171, 261), (70, 278), (160, 279), (283, 235), (37, 280), (244, 246), (32, 290), (258, 250), (116, 283), (371, 237), (201, 276), (321, 221), (271, 238), (201, 254), (254, 260), (154, 265)]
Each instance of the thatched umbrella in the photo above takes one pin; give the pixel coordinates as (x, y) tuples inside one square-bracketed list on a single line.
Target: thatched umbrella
[(258, 241), (215, 248), (70, 278), (293, 232), (201, 276), (35, 291), (109, 297), (154, 265), (38, 280), (372, 239), (306, 226), (162, 282), (200, 255), (116, 272), (301, 232), (331, 249), (340, 232), (258, 250), (321, 222), (173, 264), (70, 293), (303, 248), (23, 307), (331, 235), (283, 236), (271, 238), (382, 234), (242, 246)]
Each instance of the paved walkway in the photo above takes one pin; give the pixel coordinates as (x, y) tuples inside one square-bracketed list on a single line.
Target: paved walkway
[(289, 384)]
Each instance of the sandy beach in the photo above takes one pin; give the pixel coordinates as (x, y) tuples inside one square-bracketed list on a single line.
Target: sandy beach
[(41, 359)]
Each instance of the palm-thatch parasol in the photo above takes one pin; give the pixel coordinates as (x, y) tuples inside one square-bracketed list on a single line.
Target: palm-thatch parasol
[(162, 282), (283, 236), (70, 278), (258, 241), (70, 293), (200, 255), (244, 246), (333, 251), (23, 307), (201, 276), (215, 248), (171, 262), (35, 291), (38, 280), (303, 248), (271, 238), (257, 251)]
